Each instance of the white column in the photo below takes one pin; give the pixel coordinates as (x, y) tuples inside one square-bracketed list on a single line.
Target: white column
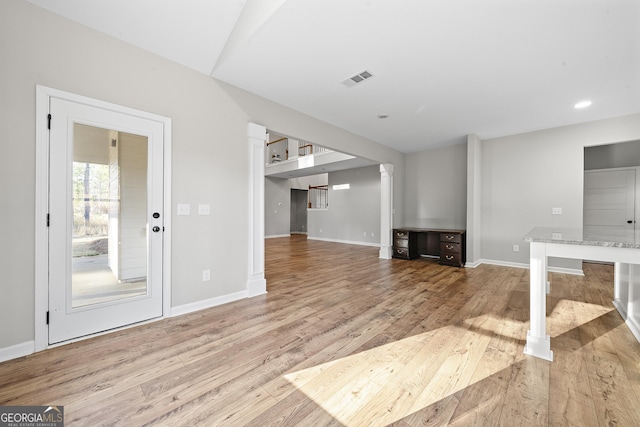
[(256, 284), (386, 210), (633, 306), (474, 200), (538, 342)]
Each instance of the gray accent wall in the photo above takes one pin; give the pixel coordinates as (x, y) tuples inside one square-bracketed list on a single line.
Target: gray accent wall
[(436, 188), (354, 214), (277, 201), (524, 176), (620, 155), (276, 206), (210, 152)]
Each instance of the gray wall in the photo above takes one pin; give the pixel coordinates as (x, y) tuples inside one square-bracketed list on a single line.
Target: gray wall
[(524, 176), (277, 195), (286, 121), (210, 156), (210, 149), (354, 214), (277, 201), (621, 155), (436, 188)]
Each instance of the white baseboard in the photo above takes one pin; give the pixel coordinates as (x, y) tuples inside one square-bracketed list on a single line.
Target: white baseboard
[(632, 323), (18, 350), (208, 303), (634, 326), (348, 242), (577, 272), (472, 264), (274, 236)]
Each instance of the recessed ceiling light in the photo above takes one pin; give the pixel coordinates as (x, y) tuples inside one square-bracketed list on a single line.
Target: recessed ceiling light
[(383, 116), (582, 104)]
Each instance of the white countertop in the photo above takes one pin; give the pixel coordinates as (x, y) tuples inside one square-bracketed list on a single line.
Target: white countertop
[(575, 236)]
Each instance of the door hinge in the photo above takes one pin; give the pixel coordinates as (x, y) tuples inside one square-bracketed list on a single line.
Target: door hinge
[(48, 217), (47, 317), (48, 121)]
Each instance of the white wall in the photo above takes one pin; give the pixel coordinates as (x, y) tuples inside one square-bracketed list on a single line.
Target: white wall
[(524, 176), (436, 188), (354, 214)]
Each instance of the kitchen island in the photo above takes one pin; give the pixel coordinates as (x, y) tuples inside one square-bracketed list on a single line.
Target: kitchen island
[(620, 248)]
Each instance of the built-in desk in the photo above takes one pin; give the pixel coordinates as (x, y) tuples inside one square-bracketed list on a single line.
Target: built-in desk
[(620, 248), (446, 245)]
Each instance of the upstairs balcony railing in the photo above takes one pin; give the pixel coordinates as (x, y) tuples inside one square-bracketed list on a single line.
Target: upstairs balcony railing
[(283, 149)]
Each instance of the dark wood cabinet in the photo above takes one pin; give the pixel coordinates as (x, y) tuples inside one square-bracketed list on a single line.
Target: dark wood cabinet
[(446, 245), (405, 244)]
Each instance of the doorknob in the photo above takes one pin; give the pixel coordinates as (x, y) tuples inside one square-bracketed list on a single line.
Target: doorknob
[(156, 229)]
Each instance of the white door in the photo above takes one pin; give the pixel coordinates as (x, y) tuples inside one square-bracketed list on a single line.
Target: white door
[(105, 220), (609, 202)]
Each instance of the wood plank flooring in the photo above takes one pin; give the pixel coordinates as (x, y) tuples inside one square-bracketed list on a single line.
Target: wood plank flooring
[(345, 339)]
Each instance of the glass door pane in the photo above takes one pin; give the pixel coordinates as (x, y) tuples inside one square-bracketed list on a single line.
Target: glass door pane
[(109, 232)]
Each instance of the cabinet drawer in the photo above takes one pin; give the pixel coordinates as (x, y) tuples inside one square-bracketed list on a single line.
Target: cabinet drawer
[(401, 234), (453, 248), (450, 258), (451, 237), (401, 253), (401, 243)]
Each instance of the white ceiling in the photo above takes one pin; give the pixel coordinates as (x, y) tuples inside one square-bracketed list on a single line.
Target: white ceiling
[(442, 68)]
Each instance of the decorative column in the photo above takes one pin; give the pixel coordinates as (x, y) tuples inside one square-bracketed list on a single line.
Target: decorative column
[(538, 342), (386, 210), (256, 284)]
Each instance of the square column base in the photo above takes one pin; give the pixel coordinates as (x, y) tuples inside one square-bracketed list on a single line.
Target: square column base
[(539, 347)]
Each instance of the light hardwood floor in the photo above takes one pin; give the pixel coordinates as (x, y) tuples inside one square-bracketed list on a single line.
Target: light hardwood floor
[(344, 338)]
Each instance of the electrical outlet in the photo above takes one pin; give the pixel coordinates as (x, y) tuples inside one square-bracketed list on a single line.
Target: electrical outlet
[(184, 209), (516, 248), (204, 209), (206, 275), (556, 211)]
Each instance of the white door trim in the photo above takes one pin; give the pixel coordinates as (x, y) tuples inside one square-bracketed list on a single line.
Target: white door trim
[(43, 95)]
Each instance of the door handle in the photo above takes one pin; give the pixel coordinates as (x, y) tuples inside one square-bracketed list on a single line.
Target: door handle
[(156, 229), (630, 222)]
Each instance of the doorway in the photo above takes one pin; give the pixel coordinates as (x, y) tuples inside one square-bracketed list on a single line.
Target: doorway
[(298, 213), (612, 190), (105, 255)]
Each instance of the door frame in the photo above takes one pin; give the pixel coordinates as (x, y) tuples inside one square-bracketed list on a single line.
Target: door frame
[(636, 207), (41, 268)]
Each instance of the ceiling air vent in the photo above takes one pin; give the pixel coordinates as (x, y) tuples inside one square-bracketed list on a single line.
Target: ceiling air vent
[(358, 78)]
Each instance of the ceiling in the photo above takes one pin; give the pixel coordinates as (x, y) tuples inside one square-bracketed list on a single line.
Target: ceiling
[(441, 69)]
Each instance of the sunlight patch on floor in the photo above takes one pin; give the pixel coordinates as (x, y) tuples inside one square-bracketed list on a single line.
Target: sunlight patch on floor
[(387, 383), (567, 314)]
